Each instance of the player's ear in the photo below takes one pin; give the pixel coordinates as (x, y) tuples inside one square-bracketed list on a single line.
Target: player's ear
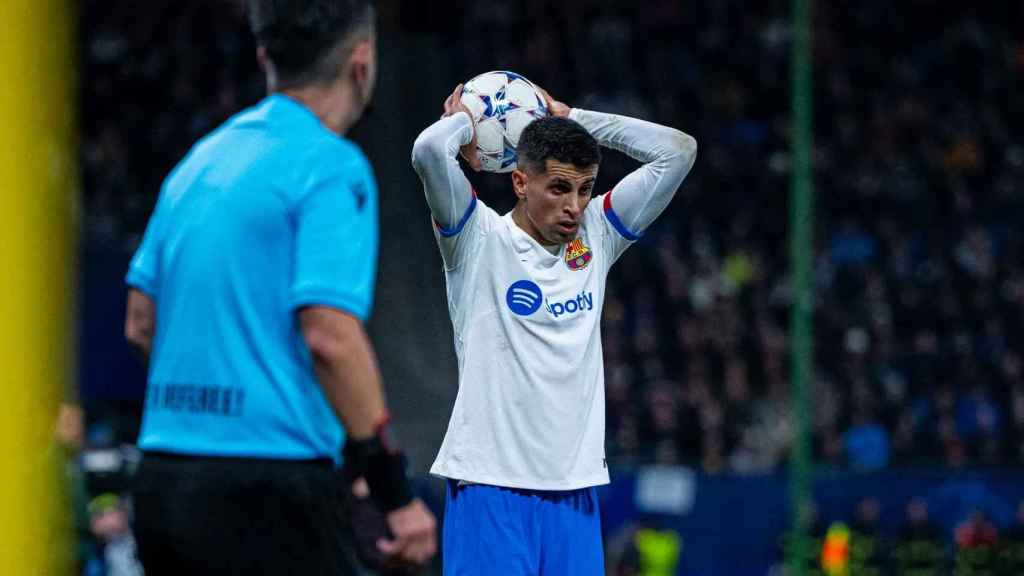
[(262, 58), (360, 65), (519, 182), (267, 66)]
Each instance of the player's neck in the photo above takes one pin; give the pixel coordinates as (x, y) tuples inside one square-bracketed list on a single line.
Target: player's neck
[(332, 106), (525, 223)]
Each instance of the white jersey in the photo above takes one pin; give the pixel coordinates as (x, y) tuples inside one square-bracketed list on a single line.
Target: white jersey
[(530, 406)]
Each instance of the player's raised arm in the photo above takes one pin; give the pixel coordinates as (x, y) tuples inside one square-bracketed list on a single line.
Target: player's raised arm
[(643, 195), (434, 157)]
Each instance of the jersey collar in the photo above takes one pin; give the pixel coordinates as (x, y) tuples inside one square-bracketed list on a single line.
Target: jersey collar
[(523, 244), (280, 107)]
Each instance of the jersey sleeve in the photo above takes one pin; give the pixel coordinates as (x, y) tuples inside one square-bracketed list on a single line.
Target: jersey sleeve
[(144, 268), (460, 246), (336, 238), (667, 155), (458, 218), (615, 237)]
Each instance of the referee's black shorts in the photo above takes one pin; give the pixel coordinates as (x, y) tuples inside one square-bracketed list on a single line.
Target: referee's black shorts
[(226, 516)]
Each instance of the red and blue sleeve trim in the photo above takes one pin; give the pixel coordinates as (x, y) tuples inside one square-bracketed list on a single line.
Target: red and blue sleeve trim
[(613, 219), (449, 232)]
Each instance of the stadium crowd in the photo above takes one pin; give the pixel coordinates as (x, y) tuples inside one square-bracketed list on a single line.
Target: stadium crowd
[(918, 277), (152, 82), (919, 258), (862, 546)]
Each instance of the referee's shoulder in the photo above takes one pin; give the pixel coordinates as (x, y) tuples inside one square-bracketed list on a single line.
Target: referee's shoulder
[(331, 151)]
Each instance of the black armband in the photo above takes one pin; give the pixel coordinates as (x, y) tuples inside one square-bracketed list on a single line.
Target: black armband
[(382, 465)]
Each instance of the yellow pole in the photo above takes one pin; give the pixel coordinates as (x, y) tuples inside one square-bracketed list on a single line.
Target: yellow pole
[(37, 188)]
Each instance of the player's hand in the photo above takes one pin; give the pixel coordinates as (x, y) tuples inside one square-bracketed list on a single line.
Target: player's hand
[(415, 535), (453, 105), (556, 108)]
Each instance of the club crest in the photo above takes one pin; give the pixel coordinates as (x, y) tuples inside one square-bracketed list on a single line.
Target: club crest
[(577, 255)]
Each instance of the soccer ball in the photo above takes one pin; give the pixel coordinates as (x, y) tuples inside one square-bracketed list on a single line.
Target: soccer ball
[(502, 104)]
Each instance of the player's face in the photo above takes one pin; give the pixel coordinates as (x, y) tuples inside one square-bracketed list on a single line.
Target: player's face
[(554, 200)]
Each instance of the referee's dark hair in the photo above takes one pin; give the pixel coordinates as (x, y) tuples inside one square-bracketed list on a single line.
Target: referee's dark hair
[(559, 139), (308, 40)]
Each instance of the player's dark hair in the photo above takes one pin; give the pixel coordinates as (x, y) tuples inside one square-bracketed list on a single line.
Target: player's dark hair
[(559, 139), (303, 37)]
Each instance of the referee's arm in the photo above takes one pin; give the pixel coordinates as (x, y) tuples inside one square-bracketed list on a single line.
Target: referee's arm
[(345, 367), (139, 321), (331, 292)]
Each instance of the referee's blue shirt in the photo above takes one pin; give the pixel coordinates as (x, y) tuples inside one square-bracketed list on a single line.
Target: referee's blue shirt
[(269, 213)]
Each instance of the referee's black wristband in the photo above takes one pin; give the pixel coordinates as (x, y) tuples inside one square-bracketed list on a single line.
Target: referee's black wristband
[(383, 467)]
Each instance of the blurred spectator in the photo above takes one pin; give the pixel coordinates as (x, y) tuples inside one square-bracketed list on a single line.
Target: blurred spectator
[(867, 443), (851, 246), (69, 433), (70, 429), (920, 548), (109, 523), (1011, 551), (815, 532), (976, 541), (867, 546), (644, 549), (976, 532), (836, 551), (657, 551)]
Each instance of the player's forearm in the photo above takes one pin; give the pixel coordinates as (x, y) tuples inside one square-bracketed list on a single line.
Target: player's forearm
[(346, 368), (435, 159), (667, 154), (639, 139)]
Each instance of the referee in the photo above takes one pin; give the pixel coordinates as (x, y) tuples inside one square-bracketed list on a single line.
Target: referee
[(248, 296)]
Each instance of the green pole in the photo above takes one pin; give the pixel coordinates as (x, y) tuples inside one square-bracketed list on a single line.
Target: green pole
[(800, 248)]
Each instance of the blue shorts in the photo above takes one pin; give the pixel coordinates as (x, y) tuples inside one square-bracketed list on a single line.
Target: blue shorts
[(513, 532)]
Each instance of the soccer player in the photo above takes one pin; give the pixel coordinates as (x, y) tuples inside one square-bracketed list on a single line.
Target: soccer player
[(248, 295), (525, 445)]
